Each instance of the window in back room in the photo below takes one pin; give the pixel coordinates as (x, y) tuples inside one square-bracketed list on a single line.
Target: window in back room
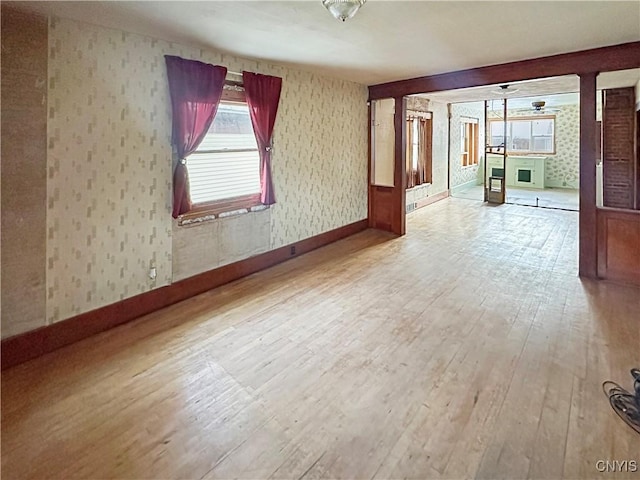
[(469, 134), (525, 135)]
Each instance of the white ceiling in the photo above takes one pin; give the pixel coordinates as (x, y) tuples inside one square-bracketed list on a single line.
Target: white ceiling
[(385, 41)]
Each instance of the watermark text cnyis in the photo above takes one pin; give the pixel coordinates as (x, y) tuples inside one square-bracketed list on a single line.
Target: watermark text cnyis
[(616, 466)]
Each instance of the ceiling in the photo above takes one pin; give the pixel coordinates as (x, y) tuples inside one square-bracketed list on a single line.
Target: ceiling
[(385, 41)]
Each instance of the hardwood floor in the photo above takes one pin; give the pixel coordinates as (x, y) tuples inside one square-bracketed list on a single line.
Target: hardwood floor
[(468, 348)]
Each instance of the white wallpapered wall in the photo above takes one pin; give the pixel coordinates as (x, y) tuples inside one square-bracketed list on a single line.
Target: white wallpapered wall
[(459, 174), (440, 148), (562, 170), (109, 166), (320, 157)]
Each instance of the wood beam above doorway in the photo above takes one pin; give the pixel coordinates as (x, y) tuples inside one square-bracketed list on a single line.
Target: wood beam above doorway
[(615, 57)]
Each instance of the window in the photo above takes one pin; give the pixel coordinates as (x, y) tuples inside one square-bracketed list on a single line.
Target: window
[(415, 142), (525, 135), (469, 141), (419, 149), (225, 169)]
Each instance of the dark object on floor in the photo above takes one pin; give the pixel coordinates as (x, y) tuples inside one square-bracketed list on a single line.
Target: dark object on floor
[(625, 404)]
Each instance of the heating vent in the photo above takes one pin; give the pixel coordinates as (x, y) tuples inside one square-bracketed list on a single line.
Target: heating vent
[(410, 207)]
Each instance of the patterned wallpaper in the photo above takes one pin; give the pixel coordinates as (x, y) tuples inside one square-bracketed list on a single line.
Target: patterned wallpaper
[(201, 247), (460, 174), (562, 169), (109, 166), (320, 157), (440, 147)]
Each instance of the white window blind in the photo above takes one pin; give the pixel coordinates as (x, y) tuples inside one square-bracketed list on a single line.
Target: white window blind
[(226, 164)]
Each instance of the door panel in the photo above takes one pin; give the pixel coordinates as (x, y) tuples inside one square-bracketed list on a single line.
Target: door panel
[(381, 199), (386, 173)]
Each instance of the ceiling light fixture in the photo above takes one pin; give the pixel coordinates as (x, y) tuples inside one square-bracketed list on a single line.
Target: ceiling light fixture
[(505, 90), (343, 9), (538, 106)]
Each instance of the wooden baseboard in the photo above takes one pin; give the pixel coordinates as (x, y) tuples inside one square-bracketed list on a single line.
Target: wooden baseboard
[(423, 202), (32, 344)]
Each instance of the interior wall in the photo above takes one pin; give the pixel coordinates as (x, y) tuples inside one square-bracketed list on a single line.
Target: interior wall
[(109, 170), (440, 147), (199, 247), (109, 167), (461, 175), (24, 186), (561, 168), (439, 122)]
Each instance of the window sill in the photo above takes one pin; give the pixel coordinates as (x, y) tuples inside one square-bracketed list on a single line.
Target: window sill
[(466, 167), (223, 209), (529, 154)]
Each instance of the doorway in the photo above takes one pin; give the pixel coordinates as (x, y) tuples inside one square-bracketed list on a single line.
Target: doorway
[(529, 144)]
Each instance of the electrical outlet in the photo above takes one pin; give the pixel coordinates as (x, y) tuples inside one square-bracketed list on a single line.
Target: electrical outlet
[(293, 250), (153, 273)]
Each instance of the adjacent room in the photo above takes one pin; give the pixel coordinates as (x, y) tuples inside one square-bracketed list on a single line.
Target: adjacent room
[(542, 133), (320, 239)]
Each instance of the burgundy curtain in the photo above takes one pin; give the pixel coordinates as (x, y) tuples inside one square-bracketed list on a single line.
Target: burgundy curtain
[(263, 96), (195, 89), (425, 167), (411, 180), (422, 151)]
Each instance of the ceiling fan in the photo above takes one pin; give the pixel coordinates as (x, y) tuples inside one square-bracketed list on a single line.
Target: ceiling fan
[(539, 108), (505, 90)]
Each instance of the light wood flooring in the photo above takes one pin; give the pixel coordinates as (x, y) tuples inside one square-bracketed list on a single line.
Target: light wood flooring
[(468, 348), (557, 198)]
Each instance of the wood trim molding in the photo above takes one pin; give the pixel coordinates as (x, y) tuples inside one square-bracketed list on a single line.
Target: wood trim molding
[(399, 194), (587, 244), (215, 208), (637, 186), (603, 59), (370, 140), (32, 344), (423, 202)]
